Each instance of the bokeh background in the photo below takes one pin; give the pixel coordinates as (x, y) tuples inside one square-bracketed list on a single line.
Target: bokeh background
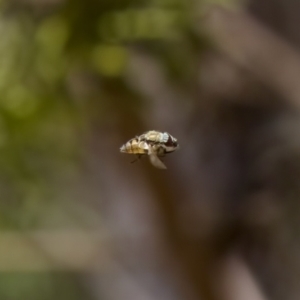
[(80, 78)]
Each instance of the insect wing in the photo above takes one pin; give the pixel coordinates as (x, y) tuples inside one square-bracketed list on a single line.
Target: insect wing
[(156, 162)]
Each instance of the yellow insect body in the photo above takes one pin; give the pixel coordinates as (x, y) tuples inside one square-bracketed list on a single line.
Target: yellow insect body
[(153, 143), (135, 146)]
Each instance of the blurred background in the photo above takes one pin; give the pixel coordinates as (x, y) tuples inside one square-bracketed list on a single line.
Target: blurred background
[(80, 78)]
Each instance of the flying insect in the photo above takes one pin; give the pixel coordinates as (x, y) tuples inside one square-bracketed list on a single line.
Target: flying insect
[(153, 143)]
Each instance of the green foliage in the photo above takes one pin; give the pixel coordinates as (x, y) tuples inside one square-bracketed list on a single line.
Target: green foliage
[(45, 112), (40, 286), (42, 111)]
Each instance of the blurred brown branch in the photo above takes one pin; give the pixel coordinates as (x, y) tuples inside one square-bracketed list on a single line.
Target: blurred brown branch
[(252, 46), (233, 280)]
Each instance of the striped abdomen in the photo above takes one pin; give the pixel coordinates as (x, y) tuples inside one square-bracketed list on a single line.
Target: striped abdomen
[(135, 146)]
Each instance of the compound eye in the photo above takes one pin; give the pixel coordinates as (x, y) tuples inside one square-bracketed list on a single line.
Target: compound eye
[(169, 142)]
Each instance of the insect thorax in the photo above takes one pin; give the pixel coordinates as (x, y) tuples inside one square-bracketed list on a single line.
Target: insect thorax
[(153, 136)]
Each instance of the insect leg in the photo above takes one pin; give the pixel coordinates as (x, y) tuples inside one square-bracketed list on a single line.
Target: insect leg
[(139, 156)]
